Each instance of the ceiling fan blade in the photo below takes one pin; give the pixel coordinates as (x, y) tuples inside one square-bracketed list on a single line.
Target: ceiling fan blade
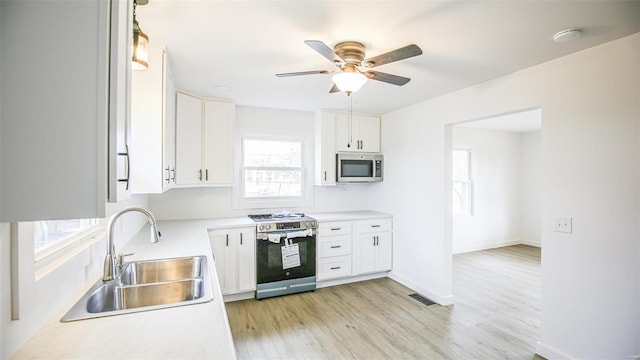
[(334, 89), (304, 73), (324, 50), (388, 78), (395, 55)]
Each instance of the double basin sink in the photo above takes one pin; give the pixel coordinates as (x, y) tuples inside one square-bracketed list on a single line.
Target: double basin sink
[(147, 285)]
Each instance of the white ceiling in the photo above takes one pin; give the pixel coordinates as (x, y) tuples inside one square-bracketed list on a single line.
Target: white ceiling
[(242, 44), (519, 122)]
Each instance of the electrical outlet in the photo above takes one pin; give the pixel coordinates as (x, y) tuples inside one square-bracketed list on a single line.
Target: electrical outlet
[(563, 224)]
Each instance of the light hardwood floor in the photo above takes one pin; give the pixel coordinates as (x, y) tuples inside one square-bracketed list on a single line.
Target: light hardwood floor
[(495, 316)]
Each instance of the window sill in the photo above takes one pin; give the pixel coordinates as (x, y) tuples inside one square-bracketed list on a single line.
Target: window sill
[(50, 259)]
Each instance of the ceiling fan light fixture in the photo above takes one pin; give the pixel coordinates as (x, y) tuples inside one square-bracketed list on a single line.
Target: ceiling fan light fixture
[(349, 82)]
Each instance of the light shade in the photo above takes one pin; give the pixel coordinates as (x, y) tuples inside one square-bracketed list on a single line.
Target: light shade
[(140, 53), (349, 82)]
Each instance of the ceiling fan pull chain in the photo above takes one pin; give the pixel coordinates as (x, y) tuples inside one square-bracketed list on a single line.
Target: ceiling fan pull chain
[(350, 118)]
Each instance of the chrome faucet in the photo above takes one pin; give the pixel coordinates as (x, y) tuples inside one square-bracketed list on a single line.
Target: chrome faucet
[(110, 262)]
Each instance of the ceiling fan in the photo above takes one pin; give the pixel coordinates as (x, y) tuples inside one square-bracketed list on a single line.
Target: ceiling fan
[(353, 69)]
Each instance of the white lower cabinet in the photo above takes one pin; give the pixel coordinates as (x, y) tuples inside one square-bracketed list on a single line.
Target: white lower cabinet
[(350, 248), (235, 257), (373, 246), (334, 250)]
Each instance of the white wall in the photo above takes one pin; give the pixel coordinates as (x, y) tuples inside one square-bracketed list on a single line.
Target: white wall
[(40, 299), (198, 203), (531, 174), (496, 173), (590, 279)]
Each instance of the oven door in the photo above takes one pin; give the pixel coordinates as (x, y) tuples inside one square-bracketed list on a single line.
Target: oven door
[(270, 267)]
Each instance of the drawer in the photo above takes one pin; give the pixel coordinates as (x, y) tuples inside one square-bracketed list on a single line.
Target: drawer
[(334, 228), (335, 267), (334, 246), (376, 225)]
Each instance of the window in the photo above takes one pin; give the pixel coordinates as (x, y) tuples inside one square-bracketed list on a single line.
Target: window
[(47, 234), (462, 182), (272, 169), (57, 240)]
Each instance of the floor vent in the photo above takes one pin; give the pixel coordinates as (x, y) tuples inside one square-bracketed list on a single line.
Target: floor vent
[(422, 299)]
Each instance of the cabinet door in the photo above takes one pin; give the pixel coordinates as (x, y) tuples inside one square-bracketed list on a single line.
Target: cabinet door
[(383, 250), (367, 129), (120, 101), (226, 254), (364, 254), (246, 242), (147, 122), (169, 101), (325, 149), (56, 117), (188, 139), (219, 119), (344, 136)]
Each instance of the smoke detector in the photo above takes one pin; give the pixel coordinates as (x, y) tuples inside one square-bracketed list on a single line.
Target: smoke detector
[(567, 35)]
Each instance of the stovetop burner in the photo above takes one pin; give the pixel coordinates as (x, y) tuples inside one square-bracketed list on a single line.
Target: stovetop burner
[(283, 221), (285, 215)]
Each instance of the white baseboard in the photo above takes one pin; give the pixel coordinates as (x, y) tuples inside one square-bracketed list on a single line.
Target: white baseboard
[(487, 246), (240, 296), (443, 300), (350, 279), (531, 243), (549, 352)]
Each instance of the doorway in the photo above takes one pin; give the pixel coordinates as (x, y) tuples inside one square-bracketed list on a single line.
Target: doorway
[(494, 224)]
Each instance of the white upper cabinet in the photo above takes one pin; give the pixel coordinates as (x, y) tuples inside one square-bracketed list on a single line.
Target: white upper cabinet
[(204, 141), (188, 139), (64, 107), (153, 125), (325, 149), (361, 133), (219, 127)]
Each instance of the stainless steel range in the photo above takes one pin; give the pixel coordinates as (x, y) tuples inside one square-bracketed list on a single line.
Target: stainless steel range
[(285, 254)]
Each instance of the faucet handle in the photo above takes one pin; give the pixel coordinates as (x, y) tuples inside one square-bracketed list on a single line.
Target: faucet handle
[(121, 258)]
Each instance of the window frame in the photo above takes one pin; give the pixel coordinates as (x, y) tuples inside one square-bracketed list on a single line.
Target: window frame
[(240, 201), (49, 258), (271, 168)]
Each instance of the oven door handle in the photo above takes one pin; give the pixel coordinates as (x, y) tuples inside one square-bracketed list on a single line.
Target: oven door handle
[(287, 234)]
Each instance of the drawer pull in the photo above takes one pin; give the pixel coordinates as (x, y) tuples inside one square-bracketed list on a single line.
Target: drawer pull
[(375, 226), (336, 246), (335, 268), (336, 229)]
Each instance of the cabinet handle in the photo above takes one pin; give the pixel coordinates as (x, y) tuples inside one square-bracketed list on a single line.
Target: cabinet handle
[(227, 239), (375, 226), (206, 175), (359, 144), (374, 241), (126, 154), (173, 176), (335, 268), (168, 179), (325, 175), (240, 238), (336, 229), (200, 175), (336, 246)]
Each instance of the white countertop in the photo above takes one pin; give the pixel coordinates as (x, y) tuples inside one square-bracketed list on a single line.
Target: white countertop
[(192, 331), (349, 215)]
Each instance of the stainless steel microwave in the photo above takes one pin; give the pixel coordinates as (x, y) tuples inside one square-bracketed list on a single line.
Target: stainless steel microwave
[(359, 167)]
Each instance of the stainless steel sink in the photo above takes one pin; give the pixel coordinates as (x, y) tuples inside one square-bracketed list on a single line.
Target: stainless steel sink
[(153, 271), (147, 285)]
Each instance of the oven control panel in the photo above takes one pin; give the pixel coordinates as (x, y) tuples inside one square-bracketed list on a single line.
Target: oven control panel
[(287, 225)]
